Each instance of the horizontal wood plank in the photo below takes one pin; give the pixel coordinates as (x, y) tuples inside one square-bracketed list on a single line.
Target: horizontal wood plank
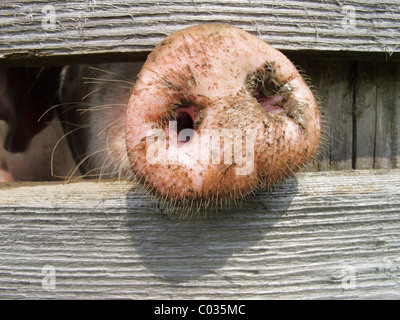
[(319, 235), (89, 31)]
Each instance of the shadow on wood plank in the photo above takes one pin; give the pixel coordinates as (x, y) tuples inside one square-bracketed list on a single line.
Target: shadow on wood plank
[(179, 250)]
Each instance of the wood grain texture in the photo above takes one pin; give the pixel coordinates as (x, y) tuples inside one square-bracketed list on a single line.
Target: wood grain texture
[(364, 114), (360, 101), (333, 84), (388, 117), (319, 235), (127, 29)]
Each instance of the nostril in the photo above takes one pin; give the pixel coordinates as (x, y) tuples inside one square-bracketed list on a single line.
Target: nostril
[(270, 91), (184, 121), (271, 104)]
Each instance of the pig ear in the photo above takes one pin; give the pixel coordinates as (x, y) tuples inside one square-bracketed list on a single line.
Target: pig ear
[(25, 95)]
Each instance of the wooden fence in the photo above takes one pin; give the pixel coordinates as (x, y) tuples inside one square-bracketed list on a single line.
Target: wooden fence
[(333, 233)]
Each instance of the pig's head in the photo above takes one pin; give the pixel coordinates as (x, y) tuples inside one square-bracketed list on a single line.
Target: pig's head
[(217, 113)]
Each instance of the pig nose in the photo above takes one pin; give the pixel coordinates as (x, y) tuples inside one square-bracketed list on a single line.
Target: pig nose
[(222, 88)]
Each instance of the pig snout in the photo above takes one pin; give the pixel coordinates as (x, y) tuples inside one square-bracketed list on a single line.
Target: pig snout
[(214, 114), (217, 113)]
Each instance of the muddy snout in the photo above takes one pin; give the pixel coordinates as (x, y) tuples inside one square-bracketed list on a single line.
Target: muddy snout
[(217, 113)]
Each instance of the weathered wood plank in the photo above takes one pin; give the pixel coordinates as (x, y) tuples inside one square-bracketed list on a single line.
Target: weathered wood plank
[(338, 88), (322, 235), (364, 115), (83, 30), (361, 104), (334, 85), (388, 117)]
